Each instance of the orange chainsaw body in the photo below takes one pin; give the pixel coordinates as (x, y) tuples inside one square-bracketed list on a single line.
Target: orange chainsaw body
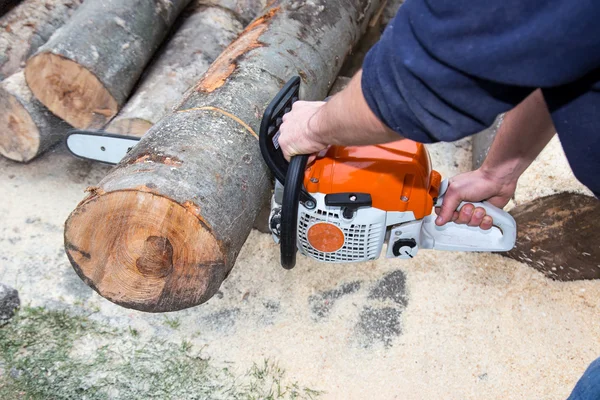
[(397, 175)]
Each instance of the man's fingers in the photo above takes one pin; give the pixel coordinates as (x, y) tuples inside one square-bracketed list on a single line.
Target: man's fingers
[(464, 217), (477, 217), (486, 223)]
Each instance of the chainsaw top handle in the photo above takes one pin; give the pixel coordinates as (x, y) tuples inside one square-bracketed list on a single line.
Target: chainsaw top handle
[(290, 175)]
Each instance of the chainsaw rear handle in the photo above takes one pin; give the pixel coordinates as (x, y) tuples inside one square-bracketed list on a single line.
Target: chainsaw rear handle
[(460, 237)]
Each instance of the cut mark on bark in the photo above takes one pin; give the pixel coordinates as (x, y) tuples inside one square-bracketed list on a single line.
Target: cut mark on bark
[(195, 210), (158, 158), (225, 113), (226, 63), (157, 257)]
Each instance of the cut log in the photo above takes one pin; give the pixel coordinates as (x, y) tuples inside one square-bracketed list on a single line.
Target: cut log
[(558, 235), (28, 26), (27, 128), (164, 228), (203, 35), (86, 71)]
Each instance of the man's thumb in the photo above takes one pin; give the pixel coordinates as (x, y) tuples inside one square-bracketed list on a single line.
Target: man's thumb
[(451, 202)]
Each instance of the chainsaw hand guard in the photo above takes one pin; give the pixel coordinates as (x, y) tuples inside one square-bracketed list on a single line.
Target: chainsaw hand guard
[(290, 175)]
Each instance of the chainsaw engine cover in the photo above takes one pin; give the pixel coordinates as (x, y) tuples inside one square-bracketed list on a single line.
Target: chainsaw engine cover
[(359, 192)]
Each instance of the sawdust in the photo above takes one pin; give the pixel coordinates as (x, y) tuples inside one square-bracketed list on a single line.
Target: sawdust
[(443, 325)]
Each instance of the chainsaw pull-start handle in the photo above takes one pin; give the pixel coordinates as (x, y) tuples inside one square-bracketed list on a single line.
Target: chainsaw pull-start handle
[(460, 237)]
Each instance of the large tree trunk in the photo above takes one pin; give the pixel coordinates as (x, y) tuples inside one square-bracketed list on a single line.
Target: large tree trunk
[(27, 27), (164, 228), (203, 35), (27, 128), (86, 71)]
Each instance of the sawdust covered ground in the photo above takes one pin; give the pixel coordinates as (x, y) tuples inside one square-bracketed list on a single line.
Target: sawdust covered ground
[(444, 325)]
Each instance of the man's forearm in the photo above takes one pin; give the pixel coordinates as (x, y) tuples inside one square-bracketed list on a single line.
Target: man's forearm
[(523, 134), (347, 120)]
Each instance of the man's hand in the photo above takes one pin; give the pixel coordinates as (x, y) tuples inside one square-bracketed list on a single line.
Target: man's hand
[(345, 120), (474, 186), (524, 132), (299, 130)]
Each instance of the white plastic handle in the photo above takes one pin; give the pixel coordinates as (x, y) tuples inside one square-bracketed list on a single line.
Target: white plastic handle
[(460, 237)]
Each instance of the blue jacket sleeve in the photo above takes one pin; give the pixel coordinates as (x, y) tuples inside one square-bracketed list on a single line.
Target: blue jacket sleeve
[(445, 69)]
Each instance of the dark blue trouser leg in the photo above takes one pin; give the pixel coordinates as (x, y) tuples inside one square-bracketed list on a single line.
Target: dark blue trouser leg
[(588, 387)]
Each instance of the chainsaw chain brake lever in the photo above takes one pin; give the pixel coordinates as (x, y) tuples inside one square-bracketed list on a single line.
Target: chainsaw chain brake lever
[(290, 175)]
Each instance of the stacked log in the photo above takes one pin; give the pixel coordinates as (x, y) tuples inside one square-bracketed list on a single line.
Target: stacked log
[(27, 128), (202, 36), (86, 71), (244, 10), (28, 26), (164, 228)]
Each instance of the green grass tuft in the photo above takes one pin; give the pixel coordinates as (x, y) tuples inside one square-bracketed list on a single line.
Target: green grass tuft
[(55, 355)]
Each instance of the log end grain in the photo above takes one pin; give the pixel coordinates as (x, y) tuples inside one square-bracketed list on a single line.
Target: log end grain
[(19, 136), (558, 236), (150, 254), (70, 91), (129, 126)]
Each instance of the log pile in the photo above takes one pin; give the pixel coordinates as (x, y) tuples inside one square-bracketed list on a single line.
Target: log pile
[(191, 43), (86, 71), (164, 228), (202, 36), (27, 128)]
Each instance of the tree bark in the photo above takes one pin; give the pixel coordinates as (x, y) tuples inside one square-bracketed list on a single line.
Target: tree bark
[(203, 35), (86, 71), (27, 128), (558, 235), (164, 228), (28, 26), (244, 10)]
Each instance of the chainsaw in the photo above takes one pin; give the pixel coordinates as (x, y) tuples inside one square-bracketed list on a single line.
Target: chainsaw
[(352, 200), (349, 202)]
